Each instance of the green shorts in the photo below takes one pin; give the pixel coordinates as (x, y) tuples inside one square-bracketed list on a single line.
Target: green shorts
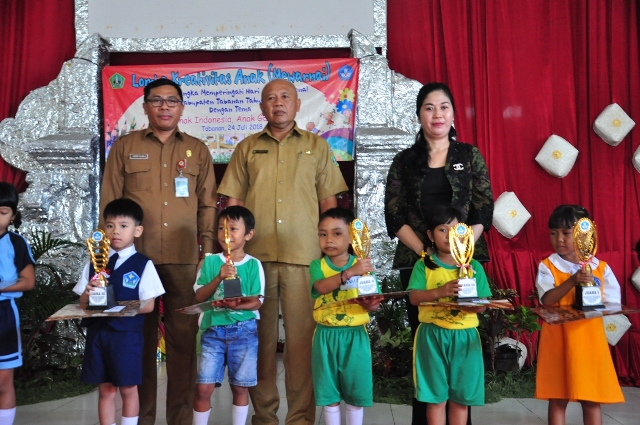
[(448, 365), (341, 365)]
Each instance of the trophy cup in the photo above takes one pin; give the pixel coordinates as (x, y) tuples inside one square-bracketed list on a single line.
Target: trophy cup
[(231, 284), (361, 244), (585, 243), (101, 298), (462, 247)]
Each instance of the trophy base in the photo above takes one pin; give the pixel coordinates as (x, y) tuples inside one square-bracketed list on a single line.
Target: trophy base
[(232, 288), (103, 300), (367, 285), (468, 290), (588, 298)]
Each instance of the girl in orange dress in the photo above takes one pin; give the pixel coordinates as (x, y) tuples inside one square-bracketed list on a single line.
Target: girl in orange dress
[(574, 362)]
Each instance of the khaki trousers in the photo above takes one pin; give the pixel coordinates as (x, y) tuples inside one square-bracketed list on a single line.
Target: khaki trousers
[(290, 284), (180, 343)]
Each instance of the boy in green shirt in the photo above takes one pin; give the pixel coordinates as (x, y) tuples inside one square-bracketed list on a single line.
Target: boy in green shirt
[(229, 331), (341, 353)]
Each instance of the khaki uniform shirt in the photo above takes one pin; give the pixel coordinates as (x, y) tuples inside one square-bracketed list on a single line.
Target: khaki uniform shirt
[(281, 182), (142, 168)]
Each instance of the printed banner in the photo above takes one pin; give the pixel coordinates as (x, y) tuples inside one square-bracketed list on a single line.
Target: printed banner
[(222, 100)]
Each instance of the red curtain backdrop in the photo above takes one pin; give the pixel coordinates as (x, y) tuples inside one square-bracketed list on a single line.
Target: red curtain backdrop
[(521, 71), (36, 37)]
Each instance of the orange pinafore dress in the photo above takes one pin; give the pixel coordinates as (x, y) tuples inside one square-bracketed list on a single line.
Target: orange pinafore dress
[(574, 361)]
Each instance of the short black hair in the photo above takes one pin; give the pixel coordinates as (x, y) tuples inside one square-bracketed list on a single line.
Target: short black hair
[(124, 207), (159, 83), (236, 212), (9, 198), (566, 216), (339, 213)]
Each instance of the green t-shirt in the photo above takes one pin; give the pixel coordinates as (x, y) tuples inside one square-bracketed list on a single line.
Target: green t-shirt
[(336, 314), (446, 317), (251, 277)]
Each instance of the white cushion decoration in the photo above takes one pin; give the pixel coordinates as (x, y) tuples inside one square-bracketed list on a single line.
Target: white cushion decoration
[(636, 159), (509, 215), (613, 124), (615, 326), (516, 345), (635, 279), (557, 156)]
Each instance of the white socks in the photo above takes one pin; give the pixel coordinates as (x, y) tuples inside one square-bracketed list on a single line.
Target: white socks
[(331, 415), (133, 420), (7, 416), (355, 415), (239, 414), (201, 418)]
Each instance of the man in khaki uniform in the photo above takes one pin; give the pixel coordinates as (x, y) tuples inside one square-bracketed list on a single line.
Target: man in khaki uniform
[(144, 166), (284, 175)]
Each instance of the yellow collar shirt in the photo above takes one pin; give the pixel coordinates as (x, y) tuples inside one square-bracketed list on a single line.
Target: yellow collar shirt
[(142, 168), (281, 182)]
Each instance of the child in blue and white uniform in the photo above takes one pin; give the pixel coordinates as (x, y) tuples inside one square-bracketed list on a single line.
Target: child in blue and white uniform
[(17, 274), (113, 351)]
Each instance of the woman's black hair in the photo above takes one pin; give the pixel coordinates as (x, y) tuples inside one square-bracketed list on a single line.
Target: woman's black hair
[(441, 215), (638, 249), (9, 198), (421, 144), (565, 216)]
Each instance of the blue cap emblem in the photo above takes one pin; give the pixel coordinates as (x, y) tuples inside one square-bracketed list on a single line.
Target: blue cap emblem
[(461, 229), (97, 236), (357, 224), (585, 225)]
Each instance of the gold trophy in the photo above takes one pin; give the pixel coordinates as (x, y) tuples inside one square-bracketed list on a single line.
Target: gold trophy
[(585, 243), (361, 243), (461, 244), (101, 298), (231, 284)]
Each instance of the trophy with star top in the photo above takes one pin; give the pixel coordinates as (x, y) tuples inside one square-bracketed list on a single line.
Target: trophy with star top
[(461, 244), (585, 244), (361, 244), (231, 284), (102, 297)]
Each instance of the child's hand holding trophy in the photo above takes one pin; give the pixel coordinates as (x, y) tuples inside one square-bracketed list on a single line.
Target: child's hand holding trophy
[(101, 296), (585, 244), (461, 244), (361, 245)]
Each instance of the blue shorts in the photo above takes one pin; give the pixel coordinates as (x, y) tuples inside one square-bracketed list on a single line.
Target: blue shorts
[(112, 356), (235, 346), (10, 345)]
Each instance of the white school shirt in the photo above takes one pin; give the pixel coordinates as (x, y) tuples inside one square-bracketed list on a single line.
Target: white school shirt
[(150, 285), (545, 281)]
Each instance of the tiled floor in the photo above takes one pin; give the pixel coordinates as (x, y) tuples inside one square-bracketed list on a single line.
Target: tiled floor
[(82, 410)]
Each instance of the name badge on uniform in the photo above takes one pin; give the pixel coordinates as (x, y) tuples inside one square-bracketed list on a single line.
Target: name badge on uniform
[(181, 182)]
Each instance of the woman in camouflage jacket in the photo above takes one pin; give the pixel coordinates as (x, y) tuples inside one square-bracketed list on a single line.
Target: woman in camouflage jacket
[(455, 174)]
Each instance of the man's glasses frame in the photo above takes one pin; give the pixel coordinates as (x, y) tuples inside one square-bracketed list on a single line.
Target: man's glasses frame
[(157, 102)]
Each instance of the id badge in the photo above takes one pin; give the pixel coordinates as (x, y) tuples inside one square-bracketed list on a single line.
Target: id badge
[(182, 187)]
